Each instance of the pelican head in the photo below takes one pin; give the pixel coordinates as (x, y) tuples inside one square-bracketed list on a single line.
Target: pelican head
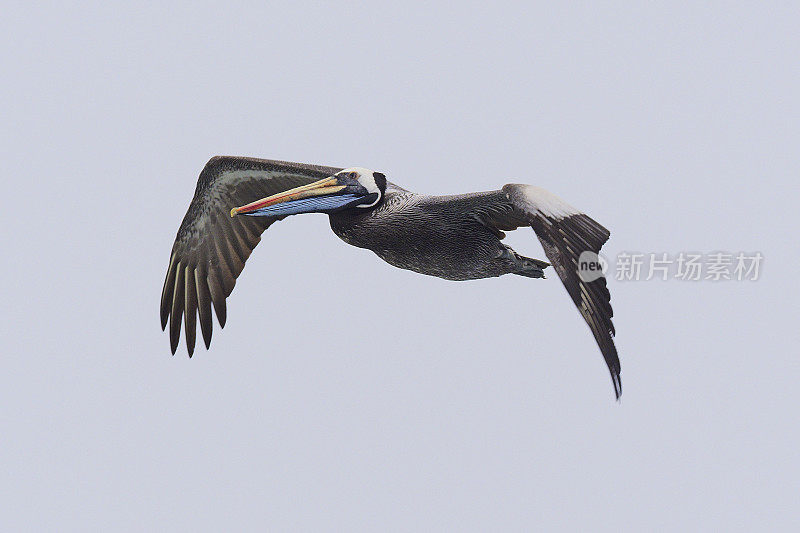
[(355, 187)]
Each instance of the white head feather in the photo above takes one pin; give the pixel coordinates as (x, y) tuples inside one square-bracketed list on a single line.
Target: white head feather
[(365, 177)]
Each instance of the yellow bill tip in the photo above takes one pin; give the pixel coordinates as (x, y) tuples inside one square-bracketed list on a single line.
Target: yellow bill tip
[(234, 212)]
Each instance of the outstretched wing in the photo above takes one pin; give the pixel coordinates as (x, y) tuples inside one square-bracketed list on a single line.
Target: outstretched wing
[(211, 247), (565, 233)]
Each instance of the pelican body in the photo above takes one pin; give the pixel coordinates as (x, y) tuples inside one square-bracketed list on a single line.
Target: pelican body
[(452, 237), (434, 235)]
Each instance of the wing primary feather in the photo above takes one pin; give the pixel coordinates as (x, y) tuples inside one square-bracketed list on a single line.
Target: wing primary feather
[(204, 306), (190, 309), (177, 310), (218, 298), (235, 253), (227, 262), (237, 267), (166, 292), (225, 268)]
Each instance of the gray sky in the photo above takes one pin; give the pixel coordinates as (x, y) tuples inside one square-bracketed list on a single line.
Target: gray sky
[(480, 405)]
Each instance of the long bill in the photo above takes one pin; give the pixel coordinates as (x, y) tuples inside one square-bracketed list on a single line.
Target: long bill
[(329, 185)]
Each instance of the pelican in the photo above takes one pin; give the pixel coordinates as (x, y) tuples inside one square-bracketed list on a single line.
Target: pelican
[(452, 237)]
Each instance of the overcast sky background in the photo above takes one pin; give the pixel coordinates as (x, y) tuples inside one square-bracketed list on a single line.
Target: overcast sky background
[(480, 405)]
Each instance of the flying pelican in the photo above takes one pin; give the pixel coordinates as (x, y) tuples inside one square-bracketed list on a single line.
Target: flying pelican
[(451, 237)]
